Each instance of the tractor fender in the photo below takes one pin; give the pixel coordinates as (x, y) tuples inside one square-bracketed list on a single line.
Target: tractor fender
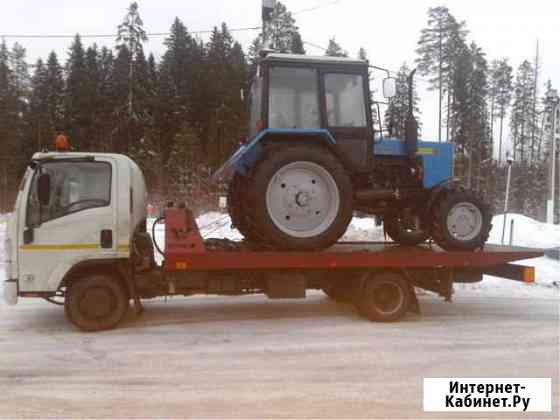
[(248, 154), (437, 189)]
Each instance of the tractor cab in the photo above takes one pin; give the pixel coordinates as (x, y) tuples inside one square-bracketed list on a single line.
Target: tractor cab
[(325, 96)]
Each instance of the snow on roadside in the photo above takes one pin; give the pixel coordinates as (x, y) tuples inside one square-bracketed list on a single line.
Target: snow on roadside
[(527, 232)]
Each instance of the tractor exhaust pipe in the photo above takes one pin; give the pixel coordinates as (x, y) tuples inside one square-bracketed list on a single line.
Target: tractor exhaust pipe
[(411, 125)]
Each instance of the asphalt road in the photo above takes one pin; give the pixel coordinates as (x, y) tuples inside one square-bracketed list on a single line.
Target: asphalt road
[(250, 357)]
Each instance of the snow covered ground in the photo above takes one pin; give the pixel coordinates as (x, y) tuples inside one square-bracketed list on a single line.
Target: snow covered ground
[(527, 233)]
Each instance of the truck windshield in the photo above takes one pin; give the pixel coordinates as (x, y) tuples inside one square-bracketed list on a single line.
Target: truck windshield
[(75, 186), (255, 100)]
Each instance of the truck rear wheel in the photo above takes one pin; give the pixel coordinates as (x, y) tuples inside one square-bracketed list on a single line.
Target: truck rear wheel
[(97, 302), (385, 297), (300, 197)]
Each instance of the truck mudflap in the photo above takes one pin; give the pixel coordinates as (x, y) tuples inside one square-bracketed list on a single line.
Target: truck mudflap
[(11, 291)]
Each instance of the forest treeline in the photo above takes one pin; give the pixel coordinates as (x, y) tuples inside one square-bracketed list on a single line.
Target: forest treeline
[(180, 116)]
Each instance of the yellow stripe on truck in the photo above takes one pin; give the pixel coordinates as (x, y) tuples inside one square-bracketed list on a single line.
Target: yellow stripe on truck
[(67, 247), (58, 247)]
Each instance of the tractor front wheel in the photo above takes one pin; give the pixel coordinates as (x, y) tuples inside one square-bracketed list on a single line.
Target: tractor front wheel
[(461, 220)]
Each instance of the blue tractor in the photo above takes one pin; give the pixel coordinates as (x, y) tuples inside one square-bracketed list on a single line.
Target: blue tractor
[(314, 156)]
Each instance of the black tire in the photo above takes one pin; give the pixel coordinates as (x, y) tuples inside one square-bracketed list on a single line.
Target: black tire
[(384, 297), (235, 202), (395, 228), (442, 232), (96, 302), (276, 157)]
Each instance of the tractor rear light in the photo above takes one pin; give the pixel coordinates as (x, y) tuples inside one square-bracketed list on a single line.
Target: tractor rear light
[(529, 274)]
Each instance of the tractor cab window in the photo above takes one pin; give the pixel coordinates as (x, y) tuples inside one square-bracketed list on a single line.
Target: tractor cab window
[(255, 99), (293, 99), (345, 100), (74, 186)]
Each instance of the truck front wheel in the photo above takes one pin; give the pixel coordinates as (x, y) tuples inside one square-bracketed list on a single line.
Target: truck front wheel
[(96, 302)]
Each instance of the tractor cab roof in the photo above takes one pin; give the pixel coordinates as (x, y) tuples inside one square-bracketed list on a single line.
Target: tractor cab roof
[(313, 59)]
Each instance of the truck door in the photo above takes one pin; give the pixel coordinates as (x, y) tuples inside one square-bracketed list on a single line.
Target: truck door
[(346, 118), (78, 223)]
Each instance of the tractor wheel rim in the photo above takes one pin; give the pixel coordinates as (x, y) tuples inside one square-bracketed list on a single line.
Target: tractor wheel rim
[(302, 199), (464, 221)]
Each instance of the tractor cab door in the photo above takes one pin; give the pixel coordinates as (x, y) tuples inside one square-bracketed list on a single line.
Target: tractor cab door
[(345, 102)]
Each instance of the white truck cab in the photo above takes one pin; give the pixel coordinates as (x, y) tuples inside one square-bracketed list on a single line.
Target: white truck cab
[(71, 209)]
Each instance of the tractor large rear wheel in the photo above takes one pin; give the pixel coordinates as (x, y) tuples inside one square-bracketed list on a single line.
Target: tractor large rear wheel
[(300, 197)]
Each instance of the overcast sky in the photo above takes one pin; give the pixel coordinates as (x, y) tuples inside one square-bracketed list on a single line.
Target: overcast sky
[(388, 29)]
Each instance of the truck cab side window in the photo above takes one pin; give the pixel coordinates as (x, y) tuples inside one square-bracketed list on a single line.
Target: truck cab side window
[(75, 186)]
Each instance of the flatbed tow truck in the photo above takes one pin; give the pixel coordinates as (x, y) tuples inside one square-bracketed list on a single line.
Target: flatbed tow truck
[(78, 237)]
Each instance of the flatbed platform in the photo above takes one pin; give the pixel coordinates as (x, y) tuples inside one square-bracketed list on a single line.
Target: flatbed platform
[(344, 255)]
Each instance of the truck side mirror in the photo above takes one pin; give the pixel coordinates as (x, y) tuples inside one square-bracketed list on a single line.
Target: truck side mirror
[(44, 189), (389, 87)]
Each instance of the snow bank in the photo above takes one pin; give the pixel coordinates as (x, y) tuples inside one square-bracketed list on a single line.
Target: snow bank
[(526, 232)]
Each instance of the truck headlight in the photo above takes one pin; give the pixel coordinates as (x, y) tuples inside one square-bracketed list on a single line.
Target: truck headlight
[(8, 250)]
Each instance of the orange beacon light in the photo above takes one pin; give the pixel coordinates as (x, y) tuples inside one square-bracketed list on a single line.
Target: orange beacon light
[(61, 143)]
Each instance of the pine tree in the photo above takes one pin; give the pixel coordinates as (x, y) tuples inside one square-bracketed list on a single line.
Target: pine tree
[(439, 45), (500, 95), (22, 85), (180, 97), (397, 110), (281, 35), (227, 70), (335, 50), (130, 36), (522, 110), (77, 113), (106, 121), (8, 132), (479, 143)]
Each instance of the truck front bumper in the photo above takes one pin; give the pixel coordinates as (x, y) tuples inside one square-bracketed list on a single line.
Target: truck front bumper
[(11, 291)]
